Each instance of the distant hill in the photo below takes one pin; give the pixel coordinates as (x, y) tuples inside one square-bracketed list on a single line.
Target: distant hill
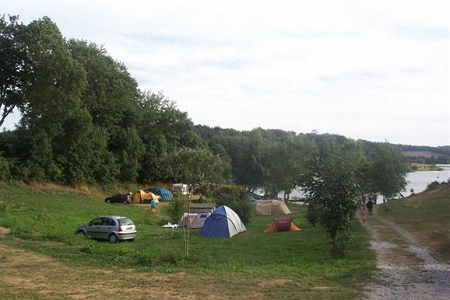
[(426, 154)]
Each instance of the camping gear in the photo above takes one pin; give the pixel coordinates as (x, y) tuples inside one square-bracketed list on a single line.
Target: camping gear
[(195, 220), (165, 194), (281, 224), (223, 222), (170, 225), (141, 197), (255, 197), (271, 208)]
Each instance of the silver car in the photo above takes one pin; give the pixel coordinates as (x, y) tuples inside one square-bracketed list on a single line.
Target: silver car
[(111, 228)]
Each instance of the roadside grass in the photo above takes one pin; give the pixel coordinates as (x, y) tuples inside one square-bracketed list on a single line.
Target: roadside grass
[(279, 265), (426, 217)]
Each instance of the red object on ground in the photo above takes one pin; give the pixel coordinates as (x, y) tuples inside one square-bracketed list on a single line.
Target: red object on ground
[(283, 224)]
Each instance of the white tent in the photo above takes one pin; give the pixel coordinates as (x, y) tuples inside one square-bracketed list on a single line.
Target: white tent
[(271, 207), (195, 220)]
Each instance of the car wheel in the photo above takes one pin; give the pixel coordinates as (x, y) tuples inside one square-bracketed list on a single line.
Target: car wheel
[(112, 238), (81, 232), (108, 201), (125, 202)]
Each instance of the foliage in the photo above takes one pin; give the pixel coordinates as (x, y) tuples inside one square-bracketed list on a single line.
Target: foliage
[(14, 66), (4, 168), (198, 167), (286, 161), (236, 198), (333, 189), (313, 214), (387, 169), (176, 208), (433, 185)]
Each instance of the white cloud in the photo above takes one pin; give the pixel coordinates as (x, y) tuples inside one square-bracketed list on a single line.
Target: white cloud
[(293, 65)]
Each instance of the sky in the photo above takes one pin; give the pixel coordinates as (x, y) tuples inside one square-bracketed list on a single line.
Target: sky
[(376, 70)]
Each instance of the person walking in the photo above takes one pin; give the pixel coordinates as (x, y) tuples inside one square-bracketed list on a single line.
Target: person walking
[(153, 205), (363, 214), (369, 206)]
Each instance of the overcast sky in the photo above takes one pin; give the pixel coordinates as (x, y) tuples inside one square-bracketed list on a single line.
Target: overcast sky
[(374, 70)]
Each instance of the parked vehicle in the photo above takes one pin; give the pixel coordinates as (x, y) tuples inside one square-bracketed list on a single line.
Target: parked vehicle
[(180, 189), (111, 228), (120, 198)]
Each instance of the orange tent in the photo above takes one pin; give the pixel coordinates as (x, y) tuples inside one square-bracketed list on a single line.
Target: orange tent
[(281, 224), (144, 197)]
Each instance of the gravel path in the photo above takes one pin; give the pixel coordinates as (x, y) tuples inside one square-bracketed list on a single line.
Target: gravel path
[(405, 272)]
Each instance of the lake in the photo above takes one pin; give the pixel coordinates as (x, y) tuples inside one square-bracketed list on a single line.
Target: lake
[(418, 181)]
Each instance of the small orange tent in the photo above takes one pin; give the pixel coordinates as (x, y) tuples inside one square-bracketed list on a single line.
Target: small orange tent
[(143, 197), (281, 224)]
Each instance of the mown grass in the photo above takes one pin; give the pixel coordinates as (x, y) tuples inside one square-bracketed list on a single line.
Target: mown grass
[(45, 220), (426, 216)]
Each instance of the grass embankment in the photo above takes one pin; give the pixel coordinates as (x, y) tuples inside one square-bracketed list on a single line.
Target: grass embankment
[(426, 217), (246, 265)]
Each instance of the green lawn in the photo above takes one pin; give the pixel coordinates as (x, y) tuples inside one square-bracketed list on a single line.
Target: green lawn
[(45, 220)]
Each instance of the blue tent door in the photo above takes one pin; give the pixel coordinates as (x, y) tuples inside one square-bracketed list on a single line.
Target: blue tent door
[(216, 224)]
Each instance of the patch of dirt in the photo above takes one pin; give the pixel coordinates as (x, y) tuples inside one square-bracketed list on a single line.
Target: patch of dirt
[(4, 230), (28, 275), (275, 282), (407, 272)]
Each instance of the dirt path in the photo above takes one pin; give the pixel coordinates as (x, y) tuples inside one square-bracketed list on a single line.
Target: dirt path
[(405, 269)]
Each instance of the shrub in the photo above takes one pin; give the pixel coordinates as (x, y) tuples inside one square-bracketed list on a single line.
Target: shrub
[(4, 168), (313, 214), (236, 198), (432, 186), (176, 208)]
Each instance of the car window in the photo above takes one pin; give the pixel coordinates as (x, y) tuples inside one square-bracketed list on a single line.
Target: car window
[(125, 222), (109, 222), (96, 222)]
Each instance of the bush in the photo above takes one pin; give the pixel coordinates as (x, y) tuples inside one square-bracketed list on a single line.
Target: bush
[(176, 208), (4, 169), (432, 186), (236, 198), (313, 214)]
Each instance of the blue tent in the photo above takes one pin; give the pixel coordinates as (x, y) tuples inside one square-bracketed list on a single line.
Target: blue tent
[(223, 222), (255, 197), (165, 194)]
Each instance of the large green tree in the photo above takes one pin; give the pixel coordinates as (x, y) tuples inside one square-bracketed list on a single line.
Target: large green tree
[(387, 170), (14, 66), (286, 161)]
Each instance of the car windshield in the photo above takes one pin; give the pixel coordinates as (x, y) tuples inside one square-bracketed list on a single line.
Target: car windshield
[(125, 222)]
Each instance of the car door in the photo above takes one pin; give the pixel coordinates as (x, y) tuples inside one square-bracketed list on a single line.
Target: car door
[(94, 228), (108, 226)]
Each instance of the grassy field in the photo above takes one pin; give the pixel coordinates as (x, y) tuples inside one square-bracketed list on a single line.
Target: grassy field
[(44, 220), (426, 216)]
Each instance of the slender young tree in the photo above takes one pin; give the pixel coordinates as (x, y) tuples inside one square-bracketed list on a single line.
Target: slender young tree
[(333, 188)]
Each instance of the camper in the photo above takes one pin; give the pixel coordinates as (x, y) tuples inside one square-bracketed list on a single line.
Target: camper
[(180, 189)]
